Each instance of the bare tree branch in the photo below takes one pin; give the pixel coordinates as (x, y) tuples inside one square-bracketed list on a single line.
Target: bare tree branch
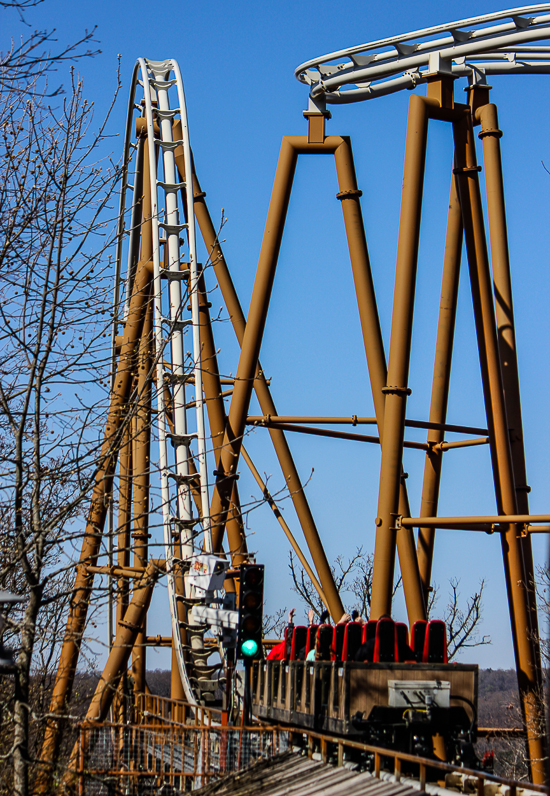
[(54, 201), (353, 578), (463, 621)]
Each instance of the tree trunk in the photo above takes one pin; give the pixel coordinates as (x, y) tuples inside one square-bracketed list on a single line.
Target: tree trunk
[(22, 697)]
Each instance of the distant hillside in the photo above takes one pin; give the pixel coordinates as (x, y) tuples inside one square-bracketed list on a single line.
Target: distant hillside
[(158, 681), (498, 698), (499, 707)]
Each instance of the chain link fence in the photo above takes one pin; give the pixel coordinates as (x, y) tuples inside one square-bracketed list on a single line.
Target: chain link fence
[(149, 760)]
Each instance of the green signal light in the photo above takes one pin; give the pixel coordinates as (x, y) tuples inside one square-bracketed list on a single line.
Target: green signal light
[(249, 648)]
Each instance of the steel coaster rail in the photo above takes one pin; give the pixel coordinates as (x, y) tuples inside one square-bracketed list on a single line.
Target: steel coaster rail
[(161, 82), (487, 44)]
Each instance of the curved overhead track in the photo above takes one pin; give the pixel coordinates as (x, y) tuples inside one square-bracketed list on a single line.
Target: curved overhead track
[(485, 45)]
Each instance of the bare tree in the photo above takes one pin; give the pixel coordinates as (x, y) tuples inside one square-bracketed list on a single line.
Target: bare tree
[(55, 287), (274, 624), (542, 588), (353, 578), (32, 57), (462, 620)]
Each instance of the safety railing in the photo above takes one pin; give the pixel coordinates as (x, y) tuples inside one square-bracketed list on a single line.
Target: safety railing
[(390, 763), (137, 759), (153, 709), (117, 759)]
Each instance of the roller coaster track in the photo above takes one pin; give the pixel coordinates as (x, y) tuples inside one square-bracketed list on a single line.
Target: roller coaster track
[(156, 301), (508, 42), (489, 44), (175, 293), (157, 233)]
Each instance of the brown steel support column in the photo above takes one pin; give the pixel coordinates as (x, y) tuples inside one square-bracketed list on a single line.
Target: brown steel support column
[(526, 662), (250, 350), (213, 395), (176, 686), (123, 545), (217, 421), (177, 690), (502, 283), (263, 393), (396, 390), (78, 608), (124, 519), (141, 444), (374, 348), (440, 384), (364, 287), (122, 646)]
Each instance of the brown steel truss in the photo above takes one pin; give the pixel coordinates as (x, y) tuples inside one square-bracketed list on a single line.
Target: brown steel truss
[(496, 343), (127, 436), (127, 443), (316, 143)]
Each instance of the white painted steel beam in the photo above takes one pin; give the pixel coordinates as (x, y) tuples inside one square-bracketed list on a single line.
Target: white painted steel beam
[(485, 45), (176, 309)]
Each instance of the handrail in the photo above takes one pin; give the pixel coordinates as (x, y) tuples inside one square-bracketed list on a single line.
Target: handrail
[(327, 744), (343, 742), (423, 762), (174, 711)]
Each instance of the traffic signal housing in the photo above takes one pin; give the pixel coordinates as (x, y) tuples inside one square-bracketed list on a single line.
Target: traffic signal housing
[(251, 602)]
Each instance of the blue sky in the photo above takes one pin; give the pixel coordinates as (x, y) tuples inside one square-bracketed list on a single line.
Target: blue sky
[(237, 61)]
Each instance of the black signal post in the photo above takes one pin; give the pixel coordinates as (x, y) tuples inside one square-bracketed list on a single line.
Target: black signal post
[(249, 641), (251, 601)]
